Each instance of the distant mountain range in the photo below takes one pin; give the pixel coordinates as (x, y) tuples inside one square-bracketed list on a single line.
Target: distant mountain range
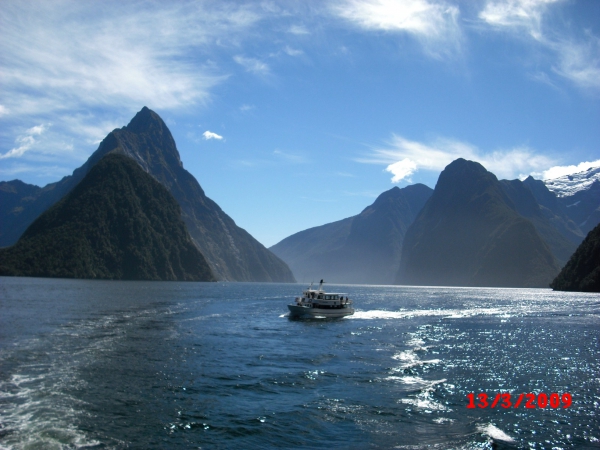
[(117, 223), (474, 230), (231, 252), (365, 248)]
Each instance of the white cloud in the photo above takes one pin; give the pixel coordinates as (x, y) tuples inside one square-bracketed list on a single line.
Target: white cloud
[(526, 14), (3, 110), (401, 169), (404, 157), (252, 65), (559, 171), (25, 142), (210, 135), (435, 24)]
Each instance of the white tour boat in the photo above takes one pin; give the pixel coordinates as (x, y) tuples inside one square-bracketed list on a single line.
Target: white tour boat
[(318, 303)]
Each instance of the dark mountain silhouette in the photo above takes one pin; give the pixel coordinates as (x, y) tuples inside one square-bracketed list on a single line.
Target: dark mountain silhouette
[(363, 249), (21, 204), (526, 205), (232, 253), (582, 272), (117, 223), (470, 234)]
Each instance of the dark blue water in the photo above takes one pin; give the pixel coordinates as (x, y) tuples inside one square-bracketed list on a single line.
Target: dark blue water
[(115, 365)]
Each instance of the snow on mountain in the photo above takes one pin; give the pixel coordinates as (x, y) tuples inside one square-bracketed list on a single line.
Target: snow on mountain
[(568, 185)]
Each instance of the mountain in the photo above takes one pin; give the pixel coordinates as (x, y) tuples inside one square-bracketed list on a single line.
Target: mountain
[(363, 249), (569, 185), (232, 253), (579, 193), (21, 204), (117, 223), (469, 233), (528, 207), (554, 210), (582, 272)]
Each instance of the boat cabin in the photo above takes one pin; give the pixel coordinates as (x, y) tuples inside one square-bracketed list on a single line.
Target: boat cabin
[(318, 298)]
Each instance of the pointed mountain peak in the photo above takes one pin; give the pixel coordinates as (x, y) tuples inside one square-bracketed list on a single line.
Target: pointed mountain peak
[(145, 120), (147, 140)]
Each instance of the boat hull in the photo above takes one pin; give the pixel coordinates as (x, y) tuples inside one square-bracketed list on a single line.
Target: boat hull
[(327, 313)]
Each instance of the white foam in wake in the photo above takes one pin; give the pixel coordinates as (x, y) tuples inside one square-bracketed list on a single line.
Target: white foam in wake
[(495, 433), (424, 403), (445, 313), (410, 359)]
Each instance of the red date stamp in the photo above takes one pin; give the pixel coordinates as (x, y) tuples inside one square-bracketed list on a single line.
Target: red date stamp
[(530, 401)]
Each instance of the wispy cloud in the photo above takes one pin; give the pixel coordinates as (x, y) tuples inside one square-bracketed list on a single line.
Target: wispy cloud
[(210, 135), (404, 157), (576, 59), (18, 169), (111, 53), (579, 62), (290, 157), (292, 51), (433, 23), (253, 65), (513, 14), (298, 30), (25, 142)]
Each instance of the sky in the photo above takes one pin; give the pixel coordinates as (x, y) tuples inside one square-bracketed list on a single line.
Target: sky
[(293, 114)]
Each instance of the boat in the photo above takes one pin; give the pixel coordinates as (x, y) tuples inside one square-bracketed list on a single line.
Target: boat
[(316, 303)]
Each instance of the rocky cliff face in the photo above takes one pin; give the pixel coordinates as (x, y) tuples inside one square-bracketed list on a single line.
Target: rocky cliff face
[(363, 249), (232, 253), (117, 223), (469, 233)]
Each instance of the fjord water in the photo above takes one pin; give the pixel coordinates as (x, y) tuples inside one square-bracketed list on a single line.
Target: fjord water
[(105, 364)]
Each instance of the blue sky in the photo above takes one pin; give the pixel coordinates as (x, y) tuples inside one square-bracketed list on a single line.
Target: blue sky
[(292, 114)]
